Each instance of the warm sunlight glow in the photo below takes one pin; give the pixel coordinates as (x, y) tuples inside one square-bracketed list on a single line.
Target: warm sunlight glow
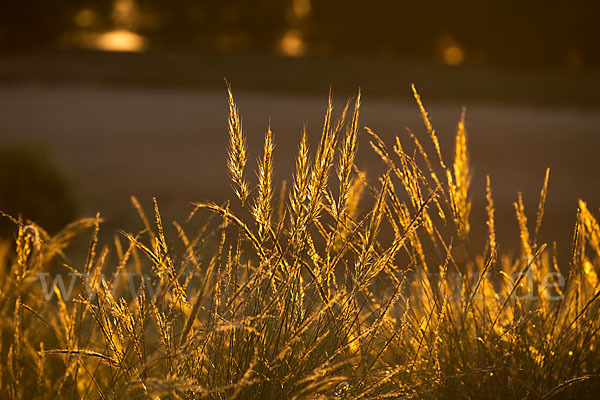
[(453, 55), (450, 51), (84, 18), (125, 14), (292, 44), (119, 35), (120, 40), (301, 8)]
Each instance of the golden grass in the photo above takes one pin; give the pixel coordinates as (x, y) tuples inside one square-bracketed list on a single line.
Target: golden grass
[(313, 302)]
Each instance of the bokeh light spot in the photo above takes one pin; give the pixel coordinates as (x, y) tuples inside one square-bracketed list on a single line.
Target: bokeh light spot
[(85, 18), (292, 44), (453, 55), (301, 8), (120, 40)]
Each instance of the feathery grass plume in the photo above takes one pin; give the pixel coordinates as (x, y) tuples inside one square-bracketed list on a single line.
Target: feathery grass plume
[(165, 264), (433, 174), (490, 212), (323, 160), (236, 152), (262, 209), (281, 204), (409, 174), (299, 192), (371, 231), (347, 156), (460, 182), (91, 254), (590, 274), (540, 210), (591, 226), (355, 192), (430, 129), (41, 373), (522, 219), (371, 316), (411, 178)]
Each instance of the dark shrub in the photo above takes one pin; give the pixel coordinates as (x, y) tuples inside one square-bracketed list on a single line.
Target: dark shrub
[(33, 186)]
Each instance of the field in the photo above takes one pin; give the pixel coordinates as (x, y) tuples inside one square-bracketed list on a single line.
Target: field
[(372, 273)]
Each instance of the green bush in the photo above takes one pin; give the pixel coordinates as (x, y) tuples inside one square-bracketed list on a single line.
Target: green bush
[(33, 187)]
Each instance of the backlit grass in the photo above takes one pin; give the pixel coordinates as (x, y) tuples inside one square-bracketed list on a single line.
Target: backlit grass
[(337, 288)]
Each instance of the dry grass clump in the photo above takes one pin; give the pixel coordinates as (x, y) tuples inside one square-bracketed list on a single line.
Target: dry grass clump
[(311, 301)]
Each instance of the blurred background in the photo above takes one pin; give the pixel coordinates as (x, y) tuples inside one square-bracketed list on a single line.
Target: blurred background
[(122, 97)]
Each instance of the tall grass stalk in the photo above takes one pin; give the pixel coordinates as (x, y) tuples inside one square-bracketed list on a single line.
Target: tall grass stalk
[(330, 297)]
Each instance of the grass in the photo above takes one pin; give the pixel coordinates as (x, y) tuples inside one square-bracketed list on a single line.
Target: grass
[(335, 288)]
